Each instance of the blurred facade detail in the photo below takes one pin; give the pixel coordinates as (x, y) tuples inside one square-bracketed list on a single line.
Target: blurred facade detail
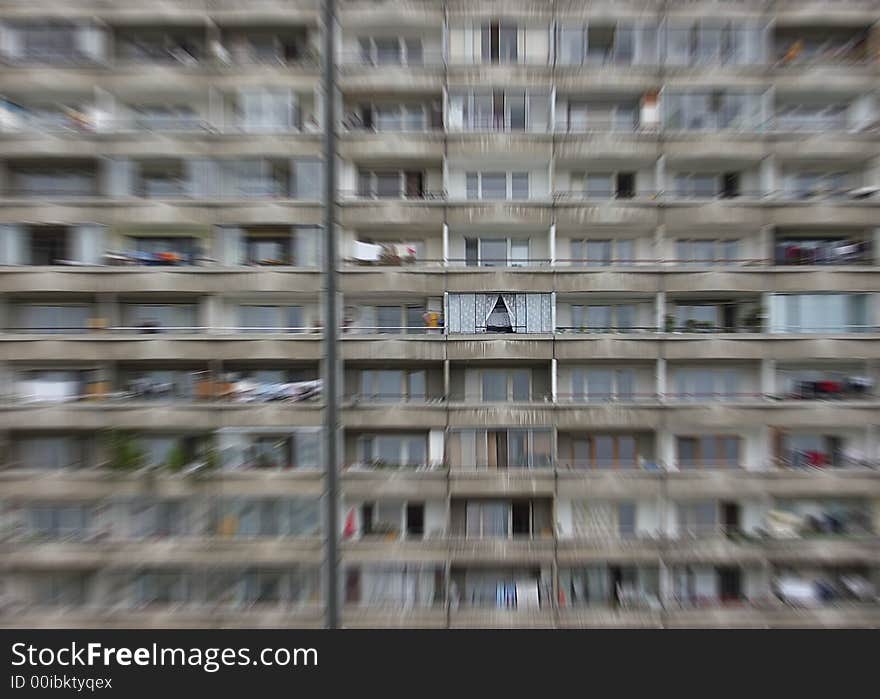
[(610, 313)]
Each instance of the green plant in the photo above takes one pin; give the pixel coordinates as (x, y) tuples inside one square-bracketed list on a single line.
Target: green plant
[(669, 323), (755, 319), (211, 459), (124, 453), (176, 459), (384, 528)]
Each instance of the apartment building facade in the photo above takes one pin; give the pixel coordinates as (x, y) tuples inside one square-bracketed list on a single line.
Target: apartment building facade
[(609, 304)]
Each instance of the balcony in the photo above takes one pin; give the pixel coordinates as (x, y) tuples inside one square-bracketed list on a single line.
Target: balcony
[(823, 251)]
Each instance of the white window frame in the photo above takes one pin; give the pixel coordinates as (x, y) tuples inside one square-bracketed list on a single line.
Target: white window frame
[(509, 175)]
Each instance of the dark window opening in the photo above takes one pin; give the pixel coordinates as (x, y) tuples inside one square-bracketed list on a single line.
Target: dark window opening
[(521, 516), (730, 584), (626, 185), (415, 520), (367, 518), (499, 319), (48, 246), (731, 185)]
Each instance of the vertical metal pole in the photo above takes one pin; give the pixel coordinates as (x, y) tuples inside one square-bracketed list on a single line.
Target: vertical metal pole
[(331, 324)]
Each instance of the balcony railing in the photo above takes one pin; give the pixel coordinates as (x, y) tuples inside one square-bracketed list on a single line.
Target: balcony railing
[(392, 398), (595, 398), (402, 195), (424, 59), (839, 252), (470, 263)]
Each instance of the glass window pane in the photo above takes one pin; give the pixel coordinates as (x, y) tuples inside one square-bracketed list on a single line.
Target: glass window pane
[(520, 185), (599, 384), (388, 51), (417, 451), (472, 191), (600, 185), (417, 385), (626, 317), (519, 252), (493, 252), (521, 379), (516, 108), (626, 380), (571, 45), (599, 318), (598, 252), (388, 184), (389, 384), (388, 317), (494, 185), (604, 446), (494, 385)]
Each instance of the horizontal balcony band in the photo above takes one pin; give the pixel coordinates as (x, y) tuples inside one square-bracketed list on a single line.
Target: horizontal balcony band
[(177, 551), (167, 617)]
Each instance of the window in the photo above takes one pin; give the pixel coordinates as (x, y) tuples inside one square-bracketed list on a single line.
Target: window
[(48, 246), (267, 110), (58, 521), (812, 117), (502, 385), (599, 185), (713, 43), (397, 319), (511, 110), (499, 42), (398, 117), (259, 178), (391, 184), (601, 253), (819, 313), (711, 110), (702, 317), (707, 451), (603, 452), (602, 385), (391, 50), (494, 185), (154, 317), (63, 589), (50, 452), (572, 44), (37, 318), (707, 251), (158, 519), (488, 519), (605, 185), (53, 180), (708, 383), (174, 249), (269, 319), (496, 252), (497, 185), (270, 249), (392, 386), (393, 450), (603, 318), (499, 449), (697, 518)]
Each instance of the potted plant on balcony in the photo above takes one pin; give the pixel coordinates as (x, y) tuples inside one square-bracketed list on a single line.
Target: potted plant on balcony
[(386, 530), (669, 323), (125, 456), (754, 321), (176, 460)]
